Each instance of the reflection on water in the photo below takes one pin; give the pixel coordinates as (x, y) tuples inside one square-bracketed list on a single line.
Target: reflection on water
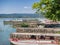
[(5, 31)]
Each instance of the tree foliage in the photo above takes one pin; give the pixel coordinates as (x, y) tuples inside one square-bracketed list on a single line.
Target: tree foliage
[(49, 8)]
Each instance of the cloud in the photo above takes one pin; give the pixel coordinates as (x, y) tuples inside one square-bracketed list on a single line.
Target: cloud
[(26, 7)]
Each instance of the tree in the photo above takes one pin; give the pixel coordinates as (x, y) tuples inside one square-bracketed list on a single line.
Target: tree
[(49, 8)]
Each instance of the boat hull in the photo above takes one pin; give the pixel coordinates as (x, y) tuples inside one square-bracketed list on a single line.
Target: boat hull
[(34, 42)]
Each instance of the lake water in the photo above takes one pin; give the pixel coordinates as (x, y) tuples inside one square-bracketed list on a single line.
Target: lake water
[(5, 31)]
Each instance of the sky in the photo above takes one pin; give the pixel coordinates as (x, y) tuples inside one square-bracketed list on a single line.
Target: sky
[(16, 6)]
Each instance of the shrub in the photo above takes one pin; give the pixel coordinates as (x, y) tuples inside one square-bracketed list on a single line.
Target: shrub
[(24, 25)]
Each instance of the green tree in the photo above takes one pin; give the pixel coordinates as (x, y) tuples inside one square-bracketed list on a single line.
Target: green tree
[(49, 8)]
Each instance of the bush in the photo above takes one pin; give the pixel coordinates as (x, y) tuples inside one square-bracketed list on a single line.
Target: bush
[(24, 25)]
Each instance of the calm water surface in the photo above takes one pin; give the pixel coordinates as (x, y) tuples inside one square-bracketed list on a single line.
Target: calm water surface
[(5, 31)]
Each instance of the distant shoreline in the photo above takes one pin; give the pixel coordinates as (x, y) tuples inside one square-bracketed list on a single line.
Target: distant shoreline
[(21, 16)]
